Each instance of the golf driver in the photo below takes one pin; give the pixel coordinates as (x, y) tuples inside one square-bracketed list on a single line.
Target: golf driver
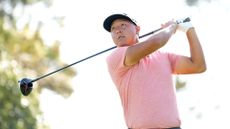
[(26, 84)]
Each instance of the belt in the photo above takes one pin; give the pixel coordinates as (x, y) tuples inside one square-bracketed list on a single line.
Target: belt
[(167, 128)]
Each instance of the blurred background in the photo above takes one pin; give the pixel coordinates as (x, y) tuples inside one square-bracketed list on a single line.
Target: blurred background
[(39, 36)]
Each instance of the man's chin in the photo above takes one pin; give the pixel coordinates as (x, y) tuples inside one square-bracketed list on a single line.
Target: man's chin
[(123, 45)]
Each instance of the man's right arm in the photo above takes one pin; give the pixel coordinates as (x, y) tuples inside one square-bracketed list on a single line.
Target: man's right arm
[(136, 52)]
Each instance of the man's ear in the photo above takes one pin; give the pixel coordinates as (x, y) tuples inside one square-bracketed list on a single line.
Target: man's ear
[(138, 28)]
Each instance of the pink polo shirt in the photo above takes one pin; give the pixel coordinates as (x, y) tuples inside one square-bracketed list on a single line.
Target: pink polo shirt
[(146, 89)]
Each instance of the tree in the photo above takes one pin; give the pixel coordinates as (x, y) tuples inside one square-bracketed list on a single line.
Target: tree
[(179, 83), (195, 2), (23, 53)]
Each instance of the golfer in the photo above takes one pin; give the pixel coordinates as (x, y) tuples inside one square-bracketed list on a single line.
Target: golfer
[(143, 74)]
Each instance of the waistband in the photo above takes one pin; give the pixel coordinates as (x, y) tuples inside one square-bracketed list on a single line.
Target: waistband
[(167, 128)]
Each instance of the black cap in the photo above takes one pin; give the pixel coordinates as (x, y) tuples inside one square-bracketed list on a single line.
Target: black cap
[(109, 20)]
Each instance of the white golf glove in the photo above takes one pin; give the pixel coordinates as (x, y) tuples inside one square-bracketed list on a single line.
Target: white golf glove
[(185, 26)]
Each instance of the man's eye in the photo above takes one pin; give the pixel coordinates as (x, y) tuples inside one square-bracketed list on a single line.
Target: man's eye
[(123, 25)]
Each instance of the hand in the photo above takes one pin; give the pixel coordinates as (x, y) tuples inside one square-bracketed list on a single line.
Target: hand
[(173, 25), (171, 22), (185, 26)]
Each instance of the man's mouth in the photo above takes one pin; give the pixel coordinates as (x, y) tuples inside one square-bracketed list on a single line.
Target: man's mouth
[(120, 37)]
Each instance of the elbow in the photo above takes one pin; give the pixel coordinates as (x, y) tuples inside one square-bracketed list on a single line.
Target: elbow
[(201, 68)]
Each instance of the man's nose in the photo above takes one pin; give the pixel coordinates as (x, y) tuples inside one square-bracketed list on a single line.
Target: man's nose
[(118, 30)]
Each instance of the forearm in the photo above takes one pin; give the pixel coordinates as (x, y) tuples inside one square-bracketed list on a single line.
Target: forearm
[(158, 40), (136, 52), (196, 52)]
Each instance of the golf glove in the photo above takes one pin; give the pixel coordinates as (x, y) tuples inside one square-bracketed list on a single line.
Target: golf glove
[(185, 26)]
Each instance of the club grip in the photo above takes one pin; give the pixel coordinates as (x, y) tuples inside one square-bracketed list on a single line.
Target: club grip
[(183, 20)]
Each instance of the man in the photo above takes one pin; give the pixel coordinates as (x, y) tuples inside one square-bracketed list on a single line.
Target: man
[(143, 74)]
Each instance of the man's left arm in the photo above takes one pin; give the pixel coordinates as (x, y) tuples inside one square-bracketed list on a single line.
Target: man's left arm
[(196, 62)]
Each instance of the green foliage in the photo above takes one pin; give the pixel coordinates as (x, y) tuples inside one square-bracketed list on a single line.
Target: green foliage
[(191, 2), (195, 2), (13, 114), (179, 83), (23, 53)]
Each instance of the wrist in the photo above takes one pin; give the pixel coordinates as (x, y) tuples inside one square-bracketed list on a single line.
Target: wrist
[(190, 30), (173, 27), (185, 26)]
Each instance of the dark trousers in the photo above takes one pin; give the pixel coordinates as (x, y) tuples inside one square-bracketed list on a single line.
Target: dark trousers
[(167, 128)]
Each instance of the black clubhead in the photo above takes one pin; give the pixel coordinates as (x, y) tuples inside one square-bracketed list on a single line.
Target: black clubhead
[(26, 86)]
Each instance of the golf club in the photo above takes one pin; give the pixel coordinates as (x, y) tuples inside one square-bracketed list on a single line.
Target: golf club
[(26, 84)]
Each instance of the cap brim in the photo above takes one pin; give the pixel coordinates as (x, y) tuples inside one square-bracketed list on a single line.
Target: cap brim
[(109, 20)]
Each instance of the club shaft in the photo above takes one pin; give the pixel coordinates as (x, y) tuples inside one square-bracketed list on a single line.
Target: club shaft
[(152, 32)]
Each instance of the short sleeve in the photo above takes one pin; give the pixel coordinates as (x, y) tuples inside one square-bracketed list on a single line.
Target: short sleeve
[(115, 63), (173, 59)]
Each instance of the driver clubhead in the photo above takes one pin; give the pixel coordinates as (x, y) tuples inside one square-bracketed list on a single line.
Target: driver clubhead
[(26, 86)]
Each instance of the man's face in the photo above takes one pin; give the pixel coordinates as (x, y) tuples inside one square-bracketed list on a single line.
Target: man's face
[(124, 33)]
